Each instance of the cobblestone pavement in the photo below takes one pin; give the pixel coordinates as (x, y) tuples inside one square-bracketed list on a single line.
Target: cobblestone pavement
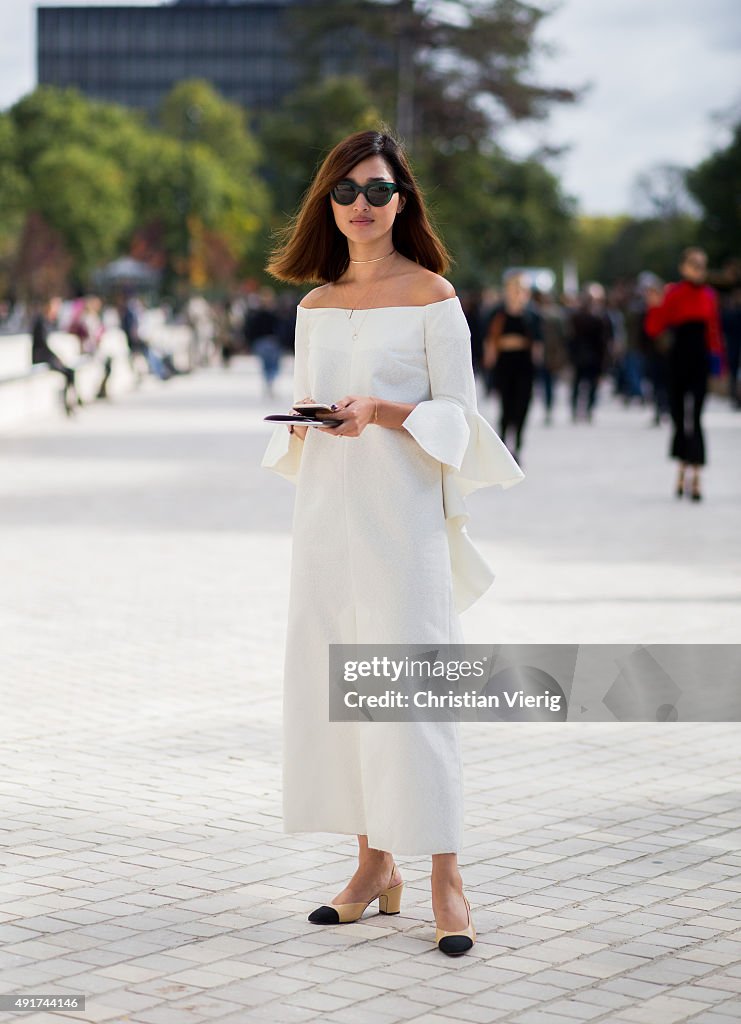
[(144, 560)]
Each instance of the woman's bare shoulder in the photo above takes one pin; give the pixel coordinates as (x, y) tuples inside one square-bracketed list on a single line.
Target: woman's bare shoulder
[(426, 287), (316, 297)]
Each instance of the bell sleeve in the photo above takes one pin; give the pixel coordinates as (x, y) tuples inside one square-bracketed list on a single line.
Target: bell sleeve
[(449, 427), (284, 450)]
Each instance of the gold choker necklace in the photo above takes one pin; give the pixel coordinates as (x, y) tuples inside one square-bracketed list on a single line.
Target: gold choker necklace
[(376, 259)]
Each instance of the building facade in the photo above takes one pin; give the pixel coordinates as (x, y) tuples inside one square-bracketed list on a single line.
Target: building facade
[(134, 55)]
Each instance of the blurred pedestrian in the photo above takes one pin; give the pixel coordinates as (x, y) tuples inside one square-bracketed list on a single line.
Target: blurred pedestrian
[(472, 310), (43, 323), (625, 310), (129, 317), (649, 289), (552, 330), (86, 323), (224, 332), (262, 329), (509, 344), (730, 316), (690, 309), (590, 333)]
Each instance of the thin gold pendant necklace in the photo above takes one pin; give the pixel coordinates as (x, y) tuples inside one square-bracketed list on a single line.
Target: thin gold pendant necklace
[(355, 327)]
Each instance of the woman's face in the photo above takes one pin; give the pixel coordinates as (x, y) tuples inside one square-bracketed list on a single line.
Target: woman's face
[(516, 292), (360, 221), (695, 266)]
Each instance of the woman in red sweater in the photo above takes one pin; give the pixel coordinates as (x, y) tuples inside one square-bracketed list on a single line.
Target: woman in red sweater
[(689, 309)]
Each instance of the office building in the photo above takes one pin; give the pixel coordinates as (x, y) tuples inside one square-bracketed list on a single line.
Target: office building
[(134, 55)]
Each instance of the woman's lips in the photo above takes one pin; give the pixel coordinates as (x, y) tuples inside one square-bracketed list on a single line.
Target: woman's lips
[(361, 221)]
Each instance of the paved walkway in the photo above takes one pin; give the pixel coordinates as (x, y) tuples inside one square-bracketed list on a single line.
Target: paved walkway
[(144, 561)]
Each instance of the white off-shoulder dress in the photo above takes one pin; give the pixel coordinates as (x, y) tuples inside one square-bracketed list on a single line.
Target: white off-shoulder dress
[(381, 554)]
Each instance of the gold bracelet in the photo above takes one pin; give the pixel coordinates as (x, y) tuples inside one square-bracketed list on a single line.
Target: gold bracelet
[(375, 415)]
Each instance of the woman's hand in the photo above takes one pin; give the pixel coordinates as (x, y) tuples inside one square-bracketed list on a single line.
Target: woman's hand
[(294, 429), (355, 411)]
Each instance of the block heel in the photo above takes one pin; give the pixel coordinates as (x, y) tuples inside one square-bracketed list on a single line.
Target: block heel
[(389, 901)]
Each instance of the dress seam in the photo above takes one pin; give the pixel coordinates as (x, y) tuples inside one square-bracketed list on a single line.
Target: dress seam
[(348, 546)]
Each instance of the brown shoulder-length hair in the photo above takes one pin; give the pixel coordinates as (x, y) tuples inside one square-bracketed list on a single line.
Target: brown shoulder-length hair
[(312, 248)]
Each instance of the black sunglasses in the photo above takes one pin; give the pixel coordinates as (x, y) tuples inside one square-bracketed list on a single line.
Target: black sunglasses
[(378, 193)]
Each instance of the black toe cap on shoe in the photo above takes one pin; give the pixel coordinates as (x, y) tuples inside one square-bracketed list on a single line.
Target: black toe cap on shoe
[(454, 945), (324, 915)]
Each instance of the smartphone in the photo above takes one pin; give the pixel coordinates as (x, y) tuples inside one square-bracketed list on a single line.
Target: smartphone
[(312, 408)]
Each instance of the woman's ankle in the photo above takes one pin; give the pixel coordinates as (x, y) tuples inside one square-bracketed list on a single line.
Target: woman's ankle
[(447, 876), (375, 858)]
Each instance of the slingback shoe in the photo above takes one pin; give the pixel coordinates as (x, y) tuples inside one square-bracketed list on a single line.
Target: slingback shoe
[(389, 902), (455, 943)]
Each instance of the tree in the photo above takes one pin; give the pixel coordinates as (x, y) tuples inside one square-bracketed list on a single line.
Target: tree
[(608, 249), (13, 183), (41, 264), (184, 187), (194, 111), (13, 198), (494, 211), (456, 71), (86, 198), (593, 237), (102, 180), (220, 203), (715, 185), (51, 116)]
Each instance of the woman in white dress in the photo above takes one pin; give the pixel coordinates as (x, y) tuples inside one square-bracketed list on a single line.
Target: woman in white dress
[(381, 554)]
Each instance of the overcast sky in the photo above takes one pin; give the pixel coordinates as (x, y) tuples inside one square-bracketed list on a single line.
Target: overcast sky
[(659, 70)]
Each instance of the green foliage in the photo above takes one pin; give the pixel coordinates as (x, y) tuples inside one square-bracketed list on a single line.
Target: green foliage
[(100, 177), (13, 185), (218, 180), (715, 184), (86, 198), (194, 111), (201, 189), (494, 212), (593, 237), (460, 69), (608, 248), (50, 116), (14, 190)]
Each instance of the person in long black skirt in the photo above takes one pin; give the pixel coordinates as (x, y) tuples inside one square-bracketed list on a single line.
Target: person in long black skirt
[(689, 308)]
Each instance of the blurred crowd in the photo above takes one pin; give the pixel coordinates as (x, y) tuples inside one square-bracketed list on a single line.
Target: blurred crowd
[(657, 344)]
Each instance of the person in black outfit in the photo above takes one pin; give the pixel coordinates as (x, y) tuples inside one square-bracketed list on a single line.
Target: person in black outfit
[(471, 303), (648, 287), (590, 333), (129, 319), (262, 332), (730, 316), (511, 339), (43, 323)]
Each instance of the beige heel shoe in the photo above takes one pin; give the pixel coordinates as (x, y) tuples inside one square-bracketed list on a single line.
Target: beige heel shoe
[(389, 902), (455, 943)]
